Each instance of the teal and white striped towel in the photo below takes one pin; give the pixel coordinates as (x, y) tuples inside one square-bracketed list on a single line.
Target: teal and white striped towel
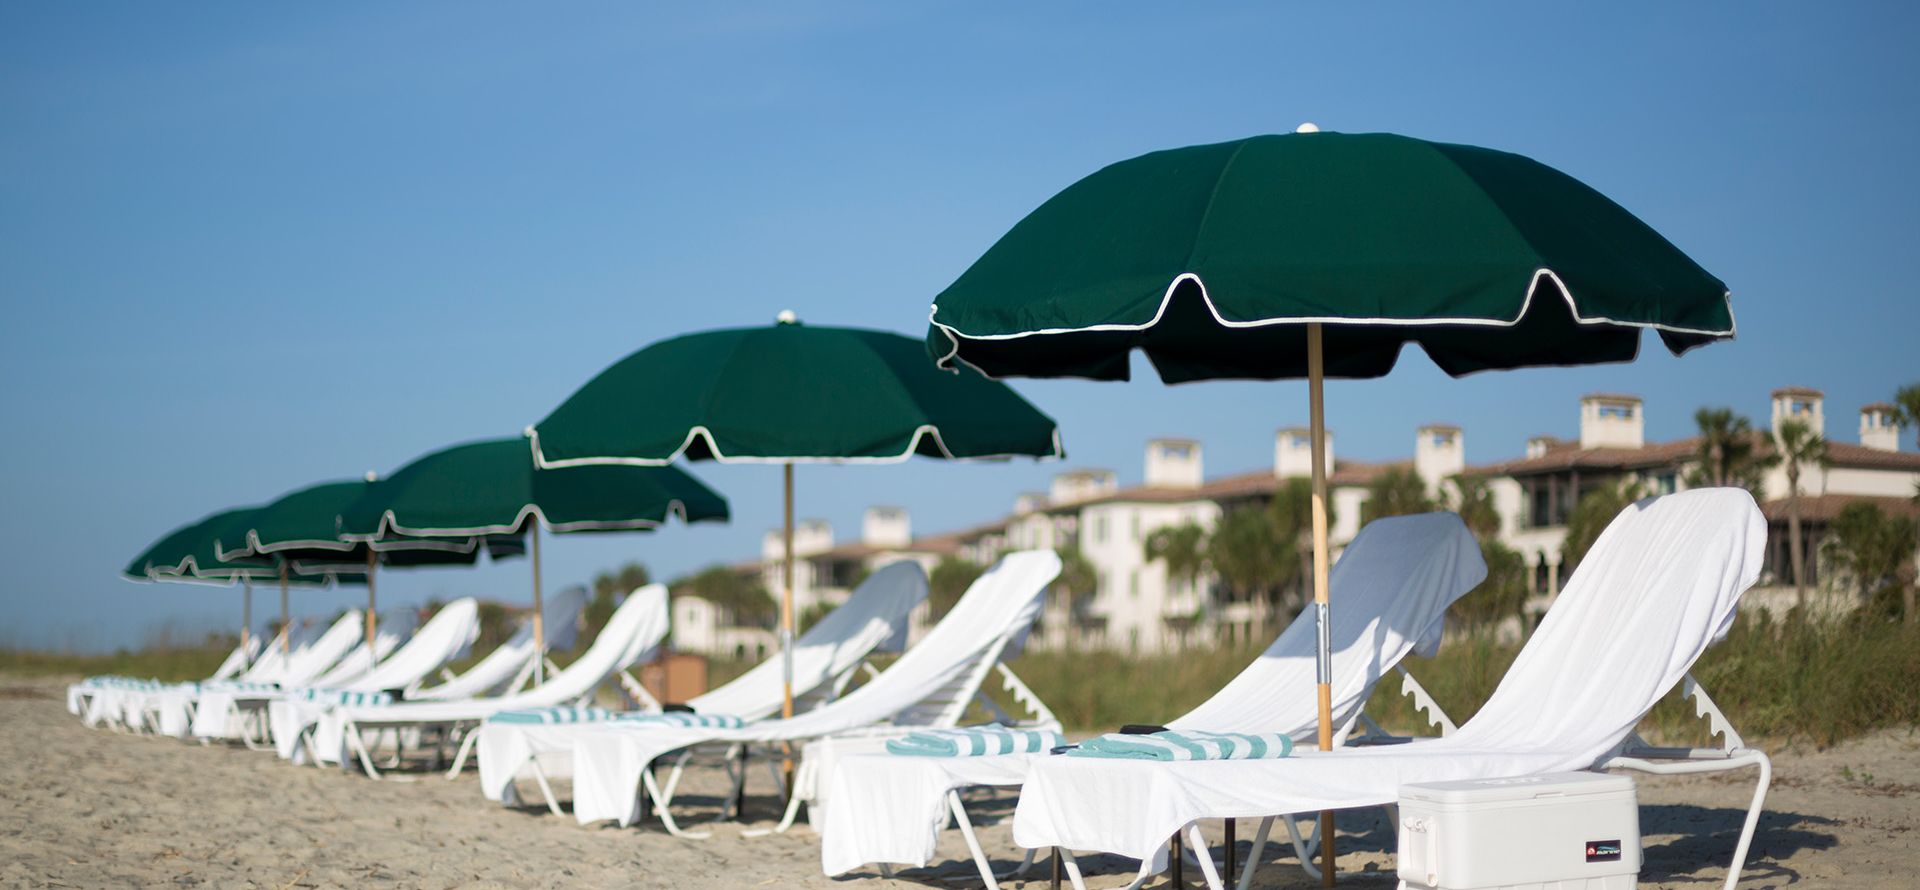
[(681, 718), (976, 741), (346, 699), (552, 715), (1187, 745)]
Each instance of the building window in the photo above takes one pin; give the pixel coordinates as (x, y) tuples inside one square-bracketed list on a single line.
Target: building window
[(1176, 452), (1623, 412), (1665, 483), (1801, 406), (1136, 526), (1133, 584), (1100, 529)]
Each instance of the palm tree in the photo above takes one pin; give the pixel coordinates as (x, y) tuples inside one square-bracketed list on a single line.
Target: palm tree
[(1591, 516), (1182, 547), (1242, 553), (1876, 550), (1798, 444), (950, 578), (737, 594), (1473, 500), (1290, 513), (1398, 491), (608, 588), (1720, 432), (1907, 402), (1078, 582), (1726, 454)]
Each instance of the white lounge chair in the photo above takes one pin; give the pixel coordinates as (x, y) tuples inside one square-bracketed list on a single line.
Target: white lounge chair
[(445, 637), (633, 634), (509, 667), (932, 685), (505, 671), (1390, 589), (308, 651), (1656, 589), (80, 695), (824, 661), (237, 712)]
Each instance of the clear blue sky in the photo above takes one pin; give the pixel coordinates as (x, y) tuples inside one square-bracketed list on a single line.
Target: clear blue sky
[(246, 247)]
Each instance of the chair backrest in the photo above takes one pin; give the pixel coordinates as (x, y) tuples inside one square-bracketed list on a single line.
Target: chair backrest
[(509, 659), (443, 638), (393, 629), (271, 664), (305, 665), (838, 643), (966, 643), (632, 634), (237, 660), (1659, 586), (1388, 593)]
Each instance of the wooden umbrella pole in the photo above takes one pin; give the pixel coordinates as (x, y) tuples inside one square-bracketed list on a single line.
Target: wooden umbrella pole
[(246, 611), (1317, 423), (286, 624), (539, 625), (371, 620), (786, 620)]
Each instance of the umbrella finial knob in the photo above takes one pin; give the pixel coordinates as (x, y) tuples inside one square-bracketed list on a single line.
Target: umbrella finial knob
[(787, 316), (373, 476), (1308, 127)]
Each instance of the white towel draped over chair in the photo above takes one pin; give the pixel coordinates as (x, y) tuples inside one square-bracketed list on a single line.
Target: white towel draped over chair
[(930, 686), (873, 618), (1392, 587), (1655, 590)]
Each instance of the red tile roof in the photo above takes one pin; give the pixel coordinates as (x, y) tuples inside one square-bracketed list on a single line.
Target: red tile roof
[(1823, 508)]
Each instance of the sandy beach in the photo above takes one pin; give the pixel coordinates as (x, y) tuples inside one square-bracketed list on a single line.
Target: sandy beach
[(90, 808)]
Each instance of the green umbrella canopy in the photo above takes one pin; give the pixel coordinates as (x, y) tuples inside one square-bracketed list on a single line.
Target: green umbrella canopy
[(187, 554), (304, 526), (788, 393), (1213, 258), (492, 487)]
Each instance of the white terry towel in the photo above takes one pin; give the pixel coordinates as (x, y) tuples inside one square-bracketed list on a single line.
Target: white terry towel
[(1390, 589), (873, 616), (608, 759), (1656, 589), (445, 637)]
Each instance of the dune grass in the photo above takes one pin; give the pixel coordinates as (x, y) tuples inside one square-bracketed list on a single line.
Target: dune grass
[(1784, 681), (169, 664)]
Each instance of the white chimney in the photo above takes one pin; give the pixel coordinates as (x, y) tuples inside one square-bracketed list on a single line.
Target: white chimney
[(1439, 451), (1538, 446), (886, 528), (1081, 485), (810, 536), (1880, 427), (1610, 420), (1028, 502), (1293, 453), (1799, 403), (1173, 463)]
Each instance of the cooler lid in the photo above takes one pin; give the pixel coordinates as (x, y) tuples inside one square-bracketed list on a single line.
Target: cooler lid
[(1517, 788)]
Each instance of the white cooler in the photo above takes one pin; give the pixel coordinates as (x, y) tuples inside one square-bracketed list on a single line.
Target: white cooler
[(1563, 831)]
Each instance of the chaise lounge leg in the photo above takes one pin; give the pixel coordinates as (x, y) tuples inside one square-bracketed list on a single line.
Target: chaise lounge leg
[(546, 790), (980, 860), (460, 759), (651, 786)]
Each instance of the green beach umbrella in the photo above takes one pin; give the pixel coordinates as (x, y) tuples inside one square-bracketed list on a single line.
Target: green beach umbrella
[(492, 488), (302, 530), (788, 393), (187, 555), (1316, 254)]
